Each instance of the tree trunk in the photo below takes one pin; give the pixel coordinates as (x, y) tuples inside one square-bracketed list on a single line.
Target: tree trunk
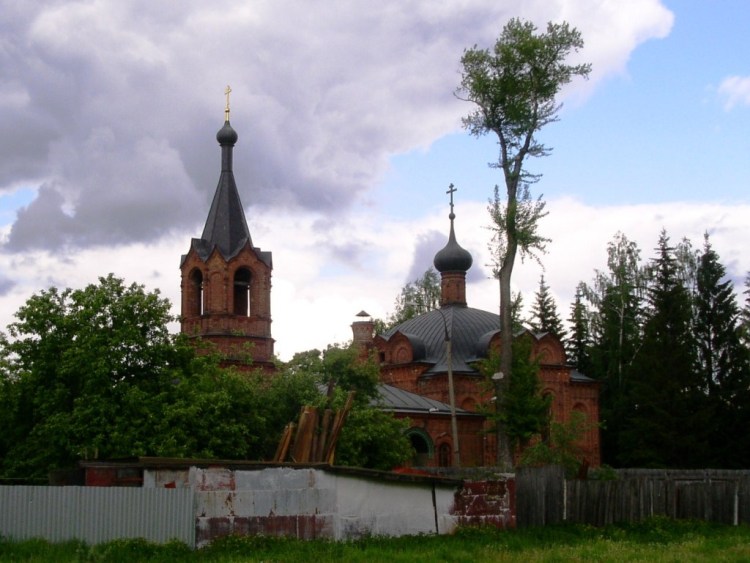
[(504, 455)]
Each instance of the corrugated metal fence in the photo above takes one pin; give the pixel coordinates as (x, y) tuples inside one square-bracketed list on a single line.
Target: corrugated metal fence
[(713, 495), (97, 514)]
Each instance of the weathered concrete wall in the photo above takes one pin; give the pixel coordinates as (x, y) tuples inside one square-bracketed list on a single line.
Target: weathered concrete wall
[(314, 502), (392, 508)]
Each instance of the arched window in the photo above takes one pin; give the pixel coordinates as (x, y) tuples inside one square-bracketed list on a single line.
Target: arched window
[(195, 293), (444, 455), (422, 444), (242, 292)]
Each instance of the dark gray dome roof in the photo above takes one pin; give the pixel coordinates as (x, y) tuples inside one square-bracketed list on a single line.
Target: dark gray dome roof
[(452, 258), (467, 328), (227, 135)]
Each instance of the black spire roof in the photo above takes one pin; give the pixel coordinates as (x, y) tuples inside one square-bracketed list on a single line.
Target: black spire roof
[(226, 227)]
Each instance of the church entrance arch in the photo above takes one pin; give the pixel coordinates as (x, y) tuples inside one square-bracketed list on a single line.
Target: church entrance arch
[(424, 449)]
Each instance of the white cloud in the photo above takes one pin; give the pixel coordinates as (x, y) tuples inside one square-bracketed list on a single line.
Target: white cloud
[(315, 297), (735, 90)]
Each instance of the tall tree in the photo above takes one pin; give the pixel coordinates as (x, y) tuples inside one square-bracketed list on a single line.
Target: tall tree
[(667, 418), (745, 314), (544, 315), (616, 297), (723, 361), (578, 344), (514, 87)]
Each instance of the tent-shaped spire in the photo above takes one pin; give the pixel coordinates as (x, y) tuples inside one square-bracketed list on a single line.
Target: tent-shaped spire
[(226, 226)]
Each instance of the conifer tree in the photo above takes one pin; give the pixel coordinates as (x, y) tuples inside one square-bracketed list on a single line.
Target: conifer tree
[(745, 314), (578, 344), (716, 319), (616, 317), (722, 360), (666, 421), (544, 312), (516, 309)]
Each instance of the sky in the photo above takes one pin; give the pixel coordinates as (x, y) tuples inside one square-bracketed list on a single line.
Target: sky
[(349, 135)]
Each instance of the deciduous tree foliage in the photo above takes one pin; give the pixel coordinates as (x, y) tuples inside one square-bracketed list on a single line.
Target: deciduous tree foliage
[(416, 298), (95, 373), (371, 437), (514, 86)]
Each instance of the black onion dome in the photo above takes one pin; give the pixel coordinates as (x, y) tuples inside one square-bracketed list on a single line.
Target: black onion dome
[(467, 327), (227, 135), (452, 258)]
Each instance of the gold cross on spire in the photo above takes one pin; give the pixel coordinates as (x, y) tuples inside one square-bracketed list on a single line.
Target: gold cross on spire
[(227, 91)]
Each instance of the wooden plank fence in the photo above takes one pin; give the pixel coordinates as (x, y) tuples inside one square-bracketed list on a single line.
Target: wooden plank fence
[(540, 496), (545, 497)]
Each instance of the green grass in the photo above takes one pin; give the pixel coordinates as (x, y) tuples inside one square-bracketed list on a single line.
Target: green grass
[(655, 540)]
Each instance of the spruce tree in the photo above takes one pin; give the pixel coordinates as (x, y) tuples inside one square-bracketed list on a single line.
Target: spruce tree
[(578, 344), (722, 360), (516, 309), (615, 324), (745, 315), (544, 312), (667, 415)]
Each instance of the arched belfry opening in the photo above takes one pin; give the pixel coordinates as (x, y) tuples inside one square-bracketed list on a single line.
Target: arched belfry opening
[(195, 293), (242, 294), (226, 281)]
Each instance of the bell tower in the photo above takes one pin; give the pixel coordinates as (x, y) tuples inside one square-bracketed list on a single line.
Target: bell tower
[(226, 281)]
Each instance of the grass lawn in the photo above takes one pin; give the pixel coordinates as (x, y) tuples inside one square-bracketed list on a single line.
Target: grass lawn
[(654, 540)]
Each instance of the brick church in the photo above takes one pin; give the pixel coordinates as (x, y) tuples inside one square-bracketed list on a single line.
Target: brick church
[(416, 368), (226, 300)]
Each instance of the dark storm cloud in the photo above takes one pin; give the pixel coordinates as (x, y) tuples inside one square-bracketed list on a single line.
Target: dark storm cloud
[(427, 246), (6, 285), (113, 107), (116, 104), (430, 244)]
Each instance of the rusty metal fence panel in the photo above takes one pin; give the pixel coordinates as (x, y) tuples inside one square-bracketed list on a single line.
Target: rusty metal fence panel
[(97, 514)]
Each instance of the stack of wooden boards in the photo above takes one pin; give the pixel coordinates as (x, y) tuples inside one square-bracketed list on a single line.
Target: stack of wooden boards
[(313, 439)]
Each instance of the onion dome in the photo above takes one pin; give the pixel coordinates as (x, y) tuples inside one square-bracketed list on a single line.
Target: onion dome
[(452, 258), (227, 135)]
